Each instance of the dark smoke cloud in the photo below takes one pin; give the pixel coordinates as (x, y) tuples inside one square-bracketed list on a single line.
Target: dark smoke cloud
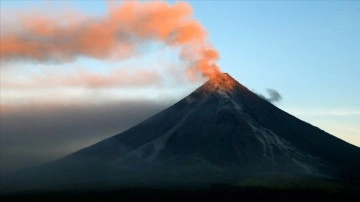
[(33, 134), (273, 96)]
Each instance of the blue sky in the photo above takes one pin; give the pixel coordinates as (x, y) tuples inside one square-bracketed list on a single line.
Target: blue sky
[(307, 51)]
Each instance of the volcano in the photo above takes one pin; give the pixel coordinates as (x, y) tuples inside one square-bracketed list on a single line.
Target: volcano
[(222, 133)]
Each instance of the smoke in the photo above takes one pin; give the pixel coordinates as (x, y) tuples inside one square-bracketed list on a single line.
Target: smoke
[(35, 133), (82, 78), (273, 96), (120, 34)]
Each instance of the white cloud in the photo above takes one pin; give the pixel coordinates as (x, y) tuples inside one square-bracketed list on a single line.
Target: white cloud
[(325, 112)]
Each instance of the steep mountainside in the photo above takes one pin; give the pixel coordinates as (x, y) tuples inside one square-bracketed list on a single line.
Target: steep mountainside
[(220, 133)]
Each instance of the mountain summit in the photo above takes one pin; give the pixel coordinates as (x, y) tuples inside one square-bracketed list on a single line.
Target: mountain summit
[(220, 133)]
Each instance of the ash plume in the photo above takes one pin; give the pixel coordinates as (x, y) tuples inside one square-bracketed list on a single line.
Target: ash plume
[(273, 96), (120, 33)]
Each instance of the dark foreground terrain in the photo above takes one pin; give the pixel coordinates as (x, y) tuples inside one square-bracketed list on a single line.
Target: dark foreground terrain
[(216, 193)]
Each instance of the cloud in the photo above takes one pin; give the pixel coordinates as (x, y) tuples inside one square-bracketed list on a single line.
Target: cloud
[(35, 133), (120, 33), (40, 131), (82, 78), (326, 112), (274, 96)]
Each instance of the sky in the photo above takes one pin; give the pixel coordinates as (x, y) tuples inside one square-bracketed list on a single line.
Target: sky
[(55, 102)]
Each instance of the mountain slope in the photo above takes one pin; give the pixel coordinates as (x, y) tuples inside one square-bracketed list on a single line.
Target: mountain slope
[(224, 124), (220, 133)]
